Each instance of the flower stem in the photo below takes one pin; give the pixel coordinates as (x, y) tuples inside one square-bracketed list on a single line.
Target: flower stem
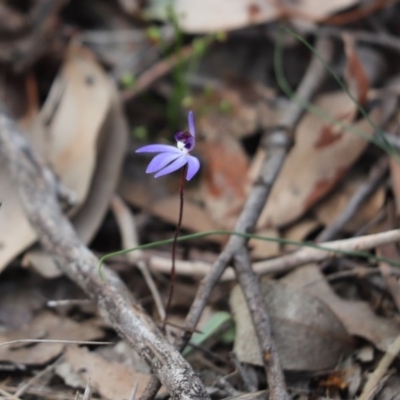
[(178, 228)]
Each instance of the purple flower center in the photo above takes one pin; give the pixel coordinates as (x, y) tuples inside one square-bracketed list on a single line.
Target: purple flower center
[(185, 141)]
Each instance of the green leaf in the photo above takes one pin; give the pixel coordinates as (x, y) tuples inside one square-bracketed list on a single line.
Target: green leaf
[(213, 326)]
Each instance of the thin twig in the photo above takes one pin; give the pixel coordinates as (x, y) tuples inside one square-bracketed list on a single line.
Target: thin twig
[(67, 302), (36, 378), (308, 254), (115, 301), (277, 143), (87, 395), (132, 396), (127, 226), (374, 378), (156, 72), (9, 395), (381, 39), (260, 318), (83, 342), (377, 173)]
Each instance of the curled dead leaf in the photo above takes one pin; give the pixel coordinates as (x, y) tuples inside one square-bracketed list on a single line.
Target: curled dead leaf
[(309, 337)]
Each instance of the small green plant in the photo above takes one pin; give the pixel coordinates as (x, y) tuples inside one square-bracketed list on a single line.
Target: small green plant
[(128, 80), (140, 133), (181, 88)]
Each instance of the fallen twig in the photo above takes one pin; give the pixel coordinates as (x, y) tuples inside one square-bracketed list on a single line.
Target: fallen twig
[(115, 302), (128, 232), (255, 301), (374, 378), (308, 254), (377, 173)]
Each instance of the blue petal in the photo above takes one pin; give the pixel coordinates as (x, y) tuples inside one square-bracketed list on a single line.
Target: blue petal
[(161, 160), (193, 167), (178, 163), (158, 148), (192, 129)]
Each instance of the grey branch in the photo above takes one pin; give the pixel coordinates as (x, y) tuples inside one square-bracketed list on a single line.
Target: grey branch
[(38, 197)]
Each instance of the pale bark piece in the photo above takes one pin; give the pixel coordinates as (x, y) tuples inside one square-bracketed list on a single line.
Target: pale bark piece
[(356, 315), (112, 380), (202, 16), (309, 337), (70, 133), (322, 155), (45, 326), (68, 137)]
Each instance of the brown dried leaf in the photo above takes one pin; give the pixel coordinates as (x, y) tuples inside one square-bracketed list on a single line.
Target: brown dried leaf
[(45, 326), (110, 153), (241, 117), (110, 379), (68, 134), (195, 218), (308, 335), (356, 316), (224, 175), (321, 156), (299, 231), (355, 75)]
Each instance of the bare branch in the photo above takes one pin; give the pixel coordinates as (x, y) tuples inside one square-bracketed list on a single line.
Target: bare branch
[(116, 303)]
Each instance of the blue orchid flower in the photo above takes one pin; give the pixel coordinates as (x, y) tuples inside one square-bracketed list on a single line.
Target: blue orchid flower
[(173, 158)]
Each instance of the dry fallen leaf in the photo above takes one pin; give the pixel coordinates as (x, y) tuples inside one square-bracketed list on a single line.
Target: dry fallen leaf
[(110, 379), (45, 326), (110, 154), (355, 75), (299, 231), (224, 178), (356, 315), (195, 218), (77, 124), (201, 16), (308, 335), (321, 156), (244, 105)]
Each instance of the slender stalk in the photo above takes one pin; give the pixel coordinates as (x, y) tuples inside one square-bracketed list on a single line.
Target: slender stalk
[(178, 228)]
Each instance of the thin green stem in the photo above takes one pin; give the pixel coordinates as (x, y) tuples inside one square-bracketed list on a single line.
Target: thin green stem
[(199, 235)]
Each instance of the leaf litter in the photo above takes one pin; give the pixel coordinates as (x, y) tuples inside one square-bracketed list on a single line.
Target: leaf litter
[(332, 321)]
